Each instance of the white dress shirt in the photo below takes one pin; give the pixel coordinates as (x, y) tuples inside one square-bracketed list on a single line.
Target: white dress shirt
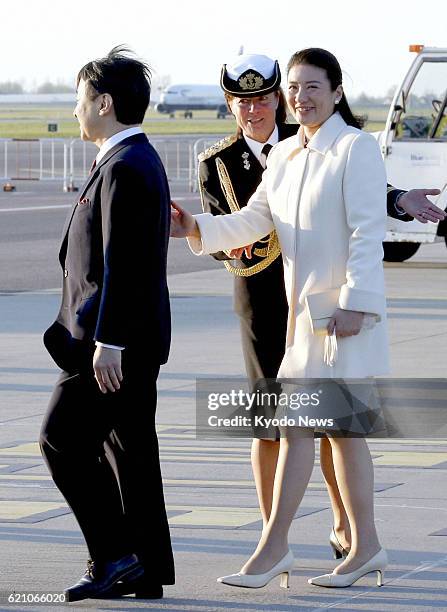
[(115, 139), (256, 147), (104, 149)]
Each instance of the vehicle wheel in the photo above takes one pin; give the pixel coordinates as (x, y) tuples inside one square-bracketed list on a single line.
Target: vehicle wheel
[(399, 251), (222, 111)]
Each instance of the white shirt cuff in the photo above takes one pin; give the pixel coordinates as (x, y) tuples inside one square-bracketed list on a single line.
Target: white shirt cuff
[(400, 211), (112, 346)]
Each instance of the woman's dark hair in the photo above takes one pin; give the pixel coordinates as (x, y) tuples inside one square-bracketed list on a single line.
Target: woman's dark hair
[(126, 79), (328, 62), (281, 111)]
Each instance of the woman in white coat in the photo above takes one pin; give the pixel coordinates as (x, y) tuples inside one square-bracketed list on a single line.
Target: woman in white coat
[(324, 192)]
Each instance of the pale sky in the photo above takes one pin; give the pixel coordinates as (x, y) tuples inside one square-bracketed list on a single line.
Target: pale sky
[(189, 40)]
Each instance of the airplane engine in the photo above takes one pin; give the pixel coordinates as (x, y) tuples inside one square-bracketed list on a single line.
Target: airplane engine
[(161, 108)]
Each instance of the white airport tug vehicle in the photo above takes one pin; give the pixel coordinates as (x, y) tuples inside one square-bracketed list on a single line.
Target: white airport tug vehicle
[(414, 147)]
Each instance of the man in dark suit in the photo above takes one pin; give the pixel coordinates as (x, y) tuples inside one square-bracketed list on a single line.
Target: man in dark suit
[(110, 337)]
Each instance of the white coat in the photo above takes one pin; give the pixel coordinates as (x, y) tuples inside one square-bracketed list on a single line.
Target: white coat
[(327, 203)]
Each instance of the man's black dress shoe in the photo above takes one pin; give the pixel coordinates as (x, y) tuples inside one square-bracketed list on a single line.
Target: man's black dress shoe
[(141, 587), (99, 579)]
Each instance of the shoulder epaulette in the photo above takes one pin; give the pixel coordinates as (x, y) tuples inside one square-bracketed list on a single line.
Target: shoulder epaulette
[(217, 147)]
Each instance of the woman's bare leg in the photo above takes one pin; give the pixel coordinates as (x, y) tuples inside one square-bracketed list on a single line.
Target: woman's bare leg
[(340, 520), (294, 468), (355, 477), (264, 458)]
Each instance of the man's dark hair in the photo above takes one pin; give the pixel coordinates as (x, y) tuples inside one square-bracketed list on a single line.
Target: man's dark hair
[(126, 79)]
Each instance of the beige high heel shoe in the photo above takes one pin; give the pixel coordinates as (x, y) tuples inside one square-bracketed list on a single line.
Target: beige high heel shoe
[(256, 581), (377, 563), (337, 548)]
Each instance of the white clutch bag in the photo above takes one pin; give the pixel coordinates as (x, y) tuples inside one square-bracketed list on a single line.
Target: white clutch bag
[(320, 309)]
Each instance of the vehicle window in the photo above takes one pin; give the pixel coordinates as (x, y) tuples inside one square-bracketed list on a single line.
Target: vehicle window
[(441, 128), (424, 115)]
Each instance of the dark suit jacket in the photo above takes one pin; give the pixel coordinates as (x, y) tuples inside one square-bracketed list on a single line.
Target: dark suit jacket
[(113, 254)]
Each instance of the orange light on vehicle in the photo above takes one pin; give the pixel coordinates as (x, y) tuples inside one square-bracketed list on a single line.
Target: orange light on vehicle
[(416, 48)]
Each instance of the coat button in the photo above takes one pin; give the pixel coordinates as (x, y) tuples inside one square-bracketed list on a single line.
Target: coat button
[(65, 273)]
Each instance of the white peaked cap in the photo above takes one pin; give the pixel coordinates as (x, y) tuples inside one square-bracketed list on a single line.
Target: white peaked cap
[(251, 61), (250, 75)]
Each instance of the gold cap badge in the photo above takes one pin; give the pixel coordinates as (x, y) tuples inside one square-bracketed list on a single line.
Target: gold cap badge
[(251, 81)]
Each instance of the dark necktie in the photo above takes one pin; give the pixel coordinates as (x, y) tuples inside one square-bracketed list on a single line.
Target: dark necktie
[(93, 166), (264, 154)]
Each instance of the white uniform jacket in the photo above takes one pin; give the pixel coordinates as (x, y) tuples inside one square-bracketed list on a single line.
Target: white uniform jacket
[(327, 203)]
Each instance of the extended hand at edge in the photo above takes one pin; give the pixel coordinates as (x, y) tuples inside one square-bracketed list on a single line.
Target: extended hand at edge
[(416, 204), (183, 224)]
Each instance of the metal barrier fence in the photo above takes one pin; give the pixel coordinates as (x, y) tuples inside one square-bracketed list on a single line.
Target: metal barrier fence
[(69, 161), (32, 159), (200, 145)]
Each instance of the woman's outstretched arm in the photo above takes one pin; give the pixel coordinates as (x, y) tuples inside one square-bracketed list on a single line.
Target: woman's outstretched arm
[(183, 224), (208, 234)]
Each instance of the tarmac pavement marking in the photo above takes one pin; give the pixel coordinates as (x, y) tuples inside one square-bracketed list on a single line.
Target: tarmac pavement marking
[(35, 208), (166, 481), (24, 477), (183, 454), (213, 516), (207, 449), (29, 449), (385, 458), (410, 458), (19, 479), (188, 432), (30, 511), (184, 516), (188, 458), (215, 484), (178, 515), (179, 458), (32, 449)]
